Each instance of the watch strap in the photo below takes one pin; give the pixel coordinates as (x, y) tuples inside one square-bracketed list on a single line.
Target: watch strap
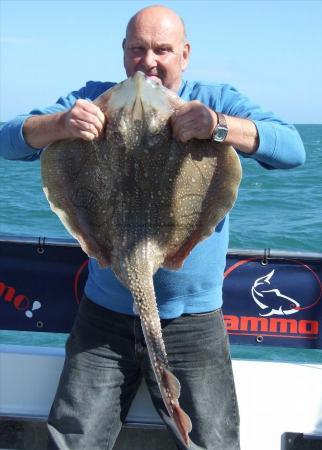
[(221, 120), (220, 132)]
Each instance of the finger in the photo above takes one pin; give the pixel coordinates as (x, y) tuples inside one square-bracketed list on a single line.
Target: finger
[(87, 136), (188, 119), (90, 108), (179, 129), (97, 112), (192, 132), (178, 123), (101, 116), (184, 109), (87, 105), (185, 136), (85, 117), (88, 117), (81, 125), (190, 124)]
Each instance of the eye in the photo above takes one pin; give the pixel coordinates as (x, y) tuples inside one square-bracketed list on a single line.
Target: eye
[(163, 50), (137, 50)]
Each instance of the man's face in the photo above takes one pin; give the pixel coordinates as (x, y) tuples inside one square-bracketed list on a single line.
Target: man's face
[(157, 48)]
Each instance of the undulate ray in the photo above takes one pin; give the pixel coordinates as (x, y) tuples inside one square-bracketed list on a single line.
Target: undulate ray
[(136, 200)]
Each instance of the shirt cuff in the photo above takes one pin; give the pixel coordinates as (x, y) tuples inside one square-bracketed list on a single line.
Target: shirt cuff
[(22, 150), (266, 152)]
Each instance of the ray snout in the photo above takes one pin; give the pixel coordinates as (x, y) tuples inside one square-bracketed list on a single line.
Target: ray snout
[(138, 96)]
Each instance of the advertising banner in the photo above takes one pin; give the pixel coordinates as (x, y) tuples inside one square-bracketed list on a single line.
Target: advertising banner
[(268, 299), (273, 300)]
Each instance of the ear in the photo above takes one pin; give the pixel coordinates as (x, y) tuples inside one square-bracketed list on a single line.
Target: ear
[(185, 56), (123, 44)]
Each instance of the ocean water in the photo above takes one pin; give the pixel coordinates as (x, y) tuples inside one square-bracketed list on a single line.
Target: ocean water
[(275, 209)]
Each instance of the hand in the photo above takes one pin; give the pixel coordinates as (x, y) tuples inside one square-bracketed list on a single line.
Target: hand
[(84, 120), (193, 120)]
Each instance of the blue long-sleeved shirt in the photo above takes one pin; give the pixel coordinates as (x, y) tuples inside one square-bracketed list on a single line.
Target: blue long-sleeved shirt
[(197, 287)]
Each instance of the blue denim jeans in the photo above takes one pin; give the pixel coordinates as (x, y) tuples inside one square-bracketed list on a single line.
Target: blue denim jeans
[(106, 358)]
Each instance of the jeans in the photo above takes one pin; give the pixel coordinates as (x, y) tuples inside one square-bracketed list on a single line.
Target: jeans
[(106, 357)]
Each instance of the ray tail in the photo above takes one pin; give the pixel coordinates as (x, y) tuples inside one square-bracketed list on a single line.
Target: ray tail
[(141, 286)]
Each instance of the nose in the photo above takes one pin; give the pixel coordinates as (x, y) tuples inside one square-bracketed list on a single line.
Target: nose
[(149, 59)]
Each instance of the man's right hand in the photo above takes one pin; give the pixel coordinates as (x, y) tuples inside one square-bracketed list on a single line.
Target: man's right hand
[(84, 120)]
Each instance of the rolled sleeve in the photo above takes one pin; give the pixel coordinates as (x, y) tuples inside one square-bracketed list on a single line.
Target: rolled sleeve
[(13, 144), (280, 145)]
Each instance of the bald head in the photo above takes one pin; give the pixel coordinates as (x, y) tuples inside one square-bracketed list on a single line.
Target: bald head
[(156, 44), (158, 13)]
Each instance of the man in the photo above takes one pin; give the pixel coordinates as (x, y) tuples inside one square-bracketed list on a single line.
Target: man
[(105, 353)]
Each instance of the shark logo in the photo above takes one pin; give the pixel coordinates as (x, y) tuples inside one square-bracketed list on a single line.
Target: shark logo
[(272, 301)]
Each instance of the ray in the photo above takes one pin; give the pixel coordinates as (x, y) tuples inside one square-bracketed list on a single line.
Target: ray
[(137, 200)]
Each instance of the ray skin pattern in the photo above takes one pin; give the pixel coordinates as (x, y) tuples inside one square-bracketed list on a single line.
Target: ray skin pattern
[(136, 200)]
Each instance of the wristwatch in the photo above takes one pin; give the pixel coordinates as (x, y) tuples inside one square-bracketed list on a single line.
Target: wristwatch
[(220, 132)]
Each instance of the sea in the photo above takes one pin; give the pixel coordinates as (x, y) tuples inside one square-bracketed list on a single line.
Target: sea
[(276, 209)]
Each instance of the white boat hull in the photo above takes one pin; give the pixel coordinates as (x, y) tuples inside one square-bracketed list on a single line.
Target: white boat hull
[(274, 397)]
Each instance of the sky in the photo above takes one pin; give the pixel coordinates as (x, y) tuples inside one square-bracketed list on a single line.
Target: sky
[(269, 50)]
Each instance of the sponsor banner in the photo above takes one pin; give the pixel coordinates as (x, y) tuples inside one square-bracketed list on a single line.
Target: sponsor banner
[(275, 303), (37, 286)]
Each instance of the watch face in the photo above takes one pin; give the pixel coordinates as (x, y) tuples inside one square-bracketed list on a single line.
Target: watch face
[(220, 135)]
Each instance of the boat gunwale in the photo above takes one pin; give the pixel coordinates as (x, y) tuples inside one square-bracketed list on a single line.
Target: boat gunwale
[(266, 253)]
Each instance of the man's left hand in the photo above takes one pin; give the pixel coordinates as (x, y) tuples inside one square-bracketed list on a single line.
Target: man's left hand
[(193, 120)]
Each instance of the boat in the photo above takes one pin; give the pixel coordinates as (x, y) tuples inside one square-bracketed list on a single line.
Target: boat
[(273, 315)]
